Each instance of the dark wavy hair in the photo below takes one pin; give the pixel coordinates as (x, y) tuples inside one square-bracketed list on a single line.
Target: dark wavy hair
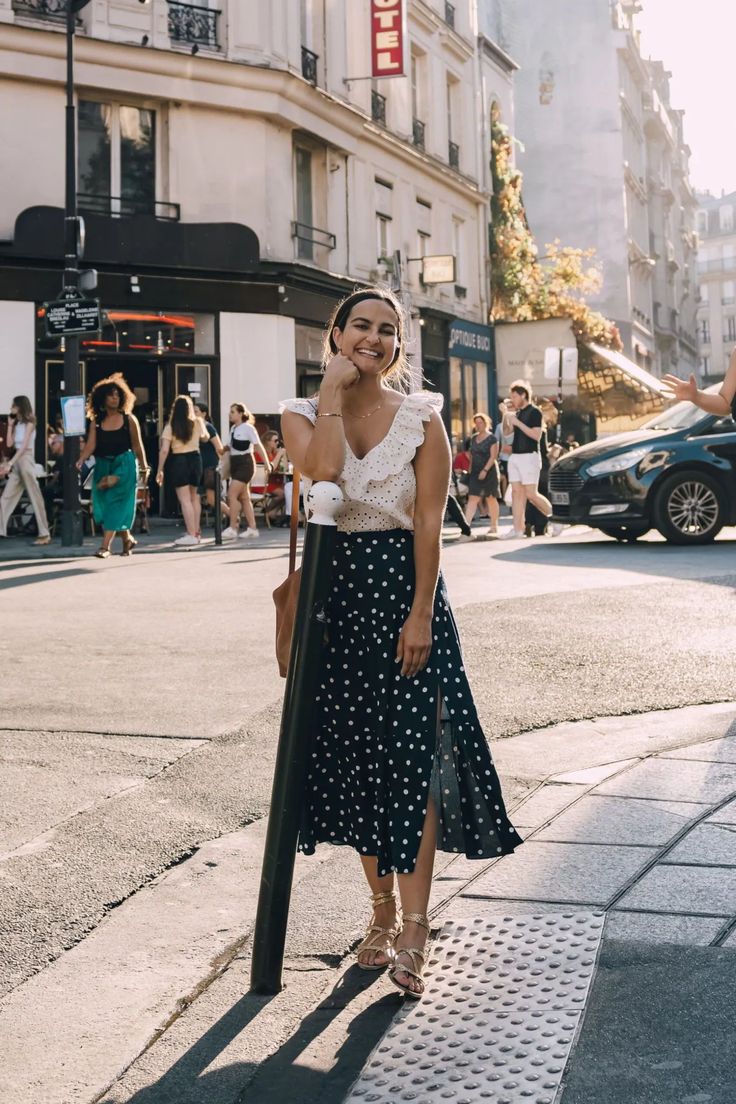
[(100, 391), (25, 411), (398, 370), (181, 418)]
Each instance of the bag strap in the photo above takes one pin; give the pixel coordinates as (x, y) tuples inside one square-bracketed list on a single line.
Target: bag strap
[(294, 522)]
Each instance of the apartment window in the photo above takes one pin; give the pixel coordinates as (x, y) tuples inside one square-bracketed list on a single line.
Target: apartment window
[(116, 158), (457, 247), (731, 329), (705, 331), (384, 196), (304, 201), (453, 149), (417, 101), (702, 222), (725, 218), (727, 293), (704, 365)]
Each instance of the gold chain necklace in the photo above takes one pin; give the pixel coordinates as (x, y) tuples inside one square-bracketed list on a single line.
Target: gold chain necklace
[(360, 417)]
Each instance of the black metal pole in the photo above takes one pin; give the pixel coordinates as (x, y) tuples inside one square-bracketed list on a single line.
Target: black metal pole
[(294, 747), (559, 399), (218, 507), (71, 517)]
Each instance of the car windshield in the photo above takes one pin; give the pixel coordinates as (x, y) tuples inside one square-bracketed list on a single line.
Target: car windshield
[(682, 415)]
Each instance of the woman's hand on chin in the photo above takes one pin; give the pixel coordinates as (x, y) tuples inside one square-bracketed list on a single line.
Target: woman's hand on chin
[(341, 372)]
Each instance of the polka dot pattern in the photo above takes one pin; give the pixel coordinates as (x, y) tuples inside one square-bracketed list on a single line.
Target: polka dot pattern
[(378, 750)]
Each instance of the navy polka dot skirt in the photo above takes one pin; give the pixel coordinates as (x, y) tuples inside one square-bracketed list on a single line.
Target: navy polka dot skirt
[(378, 750)]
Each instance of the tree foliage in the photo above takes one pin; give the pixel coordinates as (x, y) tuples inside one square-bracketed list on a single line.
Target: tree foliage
[(524, 286)]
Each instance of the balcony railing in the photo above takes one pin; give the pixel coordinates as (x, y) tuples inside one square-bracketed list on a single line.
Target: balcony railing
[(453, 155), (313, 235), (309, 65), (42, 9), (197, 26), (417, 133), (378, 107), (450, 14), (117, 207)]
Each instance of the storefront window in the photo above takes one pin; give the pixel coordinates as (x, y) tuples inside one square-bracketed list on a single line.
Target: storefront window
[(457, 421), (468, 395)]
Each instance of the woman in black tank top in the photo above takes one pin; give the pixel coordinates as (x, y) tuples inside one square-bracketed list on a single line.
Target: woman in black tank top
[(115, 439)]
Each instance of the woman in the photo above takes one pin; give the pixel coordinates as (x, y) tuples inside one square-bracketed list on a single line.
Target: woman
[(210, 450), (21, 469), (398, 750), (244, 440), (181, 438), (687, 391), (484, 479), (279, 461), (114, 439)]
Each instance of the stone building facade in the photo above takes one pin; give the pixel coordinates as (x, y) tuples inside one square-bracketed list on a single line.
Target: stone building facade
[(716, 309)]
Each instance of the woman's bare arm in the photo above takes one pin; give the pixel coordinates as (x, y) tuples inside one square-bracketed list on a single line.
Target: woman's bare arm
[(432, 466), (318, 451), (137, 442), (687, 391), (89, 445)]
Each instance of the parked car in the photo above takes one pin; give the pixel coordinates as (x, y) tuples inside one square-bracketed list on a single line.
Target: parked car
[(676, 474)]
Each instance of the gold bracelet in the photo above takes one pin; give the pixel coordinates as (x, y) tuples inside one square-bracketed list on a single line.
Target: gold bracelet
[(326, 415)]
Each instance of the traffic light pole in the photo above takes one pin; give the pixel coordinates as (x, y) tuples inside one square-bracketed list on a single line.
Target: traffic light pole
[(71, 517)]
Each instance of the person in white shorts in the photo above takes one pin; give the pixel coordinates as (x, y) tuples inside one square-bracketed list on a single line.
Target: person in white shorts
[(525, 462)]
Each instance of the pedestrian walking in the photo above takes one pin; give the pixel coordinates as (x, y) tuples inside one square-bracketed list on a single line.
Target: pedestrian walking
[(484, 478), (114, 438), (210, 450), (525, 462), (722, 403), (180, 442), (243, 444), (505, 437), (21, 469), (399, 763)]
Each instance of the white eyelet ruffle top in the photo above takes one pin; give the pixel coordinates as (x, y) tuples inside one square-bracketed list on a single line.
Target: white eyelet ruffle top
[(380, 489)]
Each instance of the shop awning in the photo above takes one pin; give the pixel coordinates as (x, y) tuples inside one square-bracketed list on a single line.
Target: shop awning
[(615, 386)]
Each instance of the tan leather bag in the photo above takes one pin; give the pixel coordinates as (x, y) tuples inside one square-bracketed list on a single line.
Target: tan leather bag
[(286, 594)]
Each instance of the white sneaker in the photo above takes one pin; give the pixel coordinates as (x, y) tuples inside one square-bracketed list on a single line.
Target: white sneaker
[(187, 541), (554, 529), (249, 533), (229, 533), (513, 534)]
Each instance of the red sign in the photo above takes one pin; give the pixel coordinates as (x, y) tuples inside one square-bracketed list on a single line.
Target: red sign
[(388, 38)]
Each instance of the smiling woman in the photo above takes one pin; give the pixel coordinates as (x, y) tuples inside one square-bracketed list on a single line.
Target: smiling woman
[(399, 762)]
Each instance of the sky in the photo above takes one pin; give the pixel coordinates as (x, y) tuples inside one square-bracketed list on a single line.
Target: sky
[(697, 43)]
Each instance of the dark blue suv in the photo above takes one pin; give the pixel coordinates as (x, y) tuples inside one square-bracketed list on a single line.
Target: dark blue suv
[(676, 474)]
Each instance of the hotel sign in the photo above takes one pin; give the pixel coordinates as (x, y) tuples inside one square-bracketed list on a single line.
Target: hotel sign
[(389, 38)]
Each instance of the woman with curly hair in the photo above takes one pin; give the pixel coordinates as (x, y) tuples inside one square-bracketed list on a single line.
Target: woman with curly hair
[(181, 438), (115, 440)]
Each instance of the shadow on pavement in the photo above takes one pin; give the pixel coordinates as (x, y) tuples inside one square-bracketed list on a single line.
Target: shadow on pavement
[(43, 577)]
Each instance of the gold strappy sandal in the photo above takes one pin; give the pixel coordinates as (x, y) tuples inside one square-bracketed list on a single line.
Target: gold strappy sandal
[(376, 937), (414, 954)]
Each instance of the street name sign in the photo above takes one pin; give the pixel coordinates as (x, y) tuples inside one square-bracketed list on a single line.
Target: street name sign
[(72, 316)]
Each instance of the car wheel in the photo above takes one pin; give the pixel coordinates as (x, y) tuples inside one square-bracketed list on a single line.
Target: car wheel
[(689, 508), (623, 532)]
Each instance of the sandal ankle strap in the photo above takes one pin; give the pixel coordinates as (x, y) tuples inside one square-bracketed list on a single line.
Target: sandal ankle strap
[(417, 918), (383, 898)]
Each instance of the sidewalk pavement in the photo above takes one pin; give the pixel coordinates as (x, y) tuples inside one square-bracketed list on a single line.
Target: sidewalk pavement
[(609, 936)]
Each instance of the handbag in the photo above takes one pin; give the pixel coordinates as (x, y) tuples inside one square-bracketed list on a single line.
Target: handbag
[(286, 595)]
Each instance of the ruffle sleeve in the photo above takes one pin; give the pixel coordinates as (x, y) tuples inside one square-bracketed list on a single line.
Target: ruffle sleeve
[(300, 406), (397, 448)]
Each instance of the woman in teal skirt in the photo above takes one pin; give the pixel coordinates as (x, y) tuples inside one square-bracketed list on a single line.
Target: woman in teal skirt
[(115, 440)]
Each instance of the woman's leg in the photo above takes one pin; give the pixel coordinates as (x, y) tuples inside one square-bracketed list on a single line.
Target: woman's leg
[(233, 496), (33, 491), (187, 510), (384, 916), (108, 536), (250, 517), (196, 509), (10, 499), (493, 512), (414, 890), (470, 507)]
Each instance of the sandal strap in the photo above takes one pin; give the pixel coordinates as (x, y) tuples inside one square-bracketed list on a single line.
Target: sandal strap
[(417, 918), (383, 898), (414, 953), (373, 933)]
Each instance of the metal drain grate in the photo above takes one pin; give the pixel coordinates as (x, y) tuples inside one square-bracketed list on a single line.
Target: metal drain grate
[(505, 997)]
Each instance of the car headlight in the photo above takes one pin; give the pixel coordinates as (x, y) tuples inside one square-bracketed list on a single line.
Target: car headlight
[(619, 463)]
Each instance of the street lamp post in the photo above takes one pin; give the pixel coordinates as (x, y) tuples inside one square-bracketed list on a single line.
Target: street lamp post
[(71, 517)]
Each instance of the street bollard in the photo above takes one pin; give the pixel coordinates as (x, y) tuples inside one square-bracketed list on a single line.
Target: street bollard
[(218, 507), (294, 747)]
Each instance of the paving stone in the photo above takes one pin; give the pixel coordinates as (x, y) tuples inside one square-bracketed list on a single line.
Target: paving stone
[(593, 775), (562, 872), (476, 908), (651, 927), (731, 941), (713, 751), (726, 815), (545, 804), (621, 820), (685, 889), (674, 780), (708, 843)]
